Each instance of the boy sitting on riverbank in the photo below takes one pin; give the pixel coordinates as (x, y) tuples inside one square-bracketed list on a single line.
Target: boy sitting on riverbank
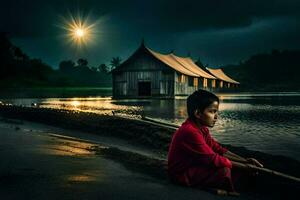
[(195, 158)]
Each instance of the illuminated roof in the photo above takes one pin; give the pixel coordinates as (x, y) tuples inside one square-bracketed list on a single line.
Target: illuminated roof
[(221, 75), (189, 64), (183, 65), (171, 62)]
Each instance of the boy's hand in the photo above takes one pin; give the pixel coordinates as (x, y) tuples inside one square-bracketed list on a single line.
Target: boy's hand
[(254, 162)]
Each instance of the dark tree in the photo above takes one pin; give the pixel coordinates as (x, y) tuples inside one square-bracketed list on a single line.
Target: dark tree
[(18, 54), (115, 62), (103, 68), (66, 65), (81, 62), (94, 69), (5, 48)]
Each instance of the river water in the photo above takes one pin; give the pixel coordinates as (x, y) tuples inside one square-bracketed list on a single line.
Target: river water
[(267, 122)]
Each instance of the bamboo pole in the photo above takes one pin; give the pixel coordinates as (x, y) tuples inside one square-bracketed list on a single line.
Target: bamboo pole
[(175, 126), (265, 171)]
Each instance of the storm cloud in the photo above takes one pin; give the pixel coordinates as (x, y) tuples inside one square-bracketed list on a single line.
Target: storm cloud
[(218, 31)]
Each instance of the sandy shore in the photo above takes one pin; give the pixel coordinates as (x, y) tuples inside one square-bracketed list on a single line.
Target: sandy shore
[(99, 156)]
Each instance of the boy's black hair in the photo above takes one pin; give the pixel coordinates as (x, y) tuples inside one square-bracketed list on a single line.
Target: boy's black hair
[(199, 100)]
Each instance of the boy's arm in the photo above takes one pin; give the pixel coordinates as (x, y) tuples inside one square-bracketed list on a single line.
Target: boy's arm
[(215, 145), (234, 157), (200, 152)]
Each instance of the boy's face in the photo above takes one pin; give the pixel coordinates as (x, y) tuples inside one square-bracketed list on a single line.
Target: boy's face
[(209, 116)]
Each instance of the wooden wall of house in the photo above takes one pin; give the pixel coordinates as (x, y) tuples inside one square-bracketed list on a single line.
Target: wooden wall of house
[(166, 84), (182, 86), (143, 67), (126, 83), (163, 83)]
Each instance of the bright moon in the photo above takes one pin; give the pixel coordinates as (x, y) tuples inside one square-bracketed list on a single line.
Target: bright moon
[(79, 32)]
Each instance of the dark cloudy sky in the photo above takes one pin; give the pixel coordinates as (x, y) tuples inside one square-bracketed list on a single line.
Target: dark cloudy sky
[(218, 31)]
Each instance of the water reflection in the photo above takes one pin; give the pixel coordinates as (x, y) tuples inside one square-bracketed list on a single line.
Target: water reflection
[(265, 122), (61, 147), (84, 177), (75, 103), (95, 105)]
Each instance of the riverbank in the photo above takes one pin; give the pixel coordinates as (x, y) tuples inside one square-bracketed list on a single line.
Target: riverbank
[(145, 135), (40, 163)]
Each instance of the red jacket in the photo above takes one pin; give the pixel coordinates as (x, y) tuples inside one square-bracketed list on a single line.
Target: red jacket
[(191, 147)]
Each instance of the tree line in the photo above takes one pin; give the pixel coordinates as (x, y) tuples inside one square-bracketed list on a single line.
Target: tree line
[(17, 69), (277, 70), (81, 72), (67, 65)]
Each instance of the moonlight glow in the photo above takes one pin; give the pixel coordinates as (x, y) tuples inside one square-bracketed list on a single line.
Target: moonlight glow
[(80, 30)]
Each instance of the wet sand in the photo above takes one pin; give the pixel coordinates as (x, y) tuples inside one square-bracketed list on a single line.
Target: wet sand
[(38, 165)]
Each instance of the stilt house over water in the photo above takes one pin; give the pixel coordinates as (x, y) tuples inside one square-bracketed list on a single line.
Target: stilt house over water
[(147, 74), (223, 81)]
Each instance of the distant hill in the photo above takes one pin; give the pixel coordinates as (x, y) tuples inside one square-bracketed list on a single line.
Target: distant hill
[(17, 69), (275, 71)]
